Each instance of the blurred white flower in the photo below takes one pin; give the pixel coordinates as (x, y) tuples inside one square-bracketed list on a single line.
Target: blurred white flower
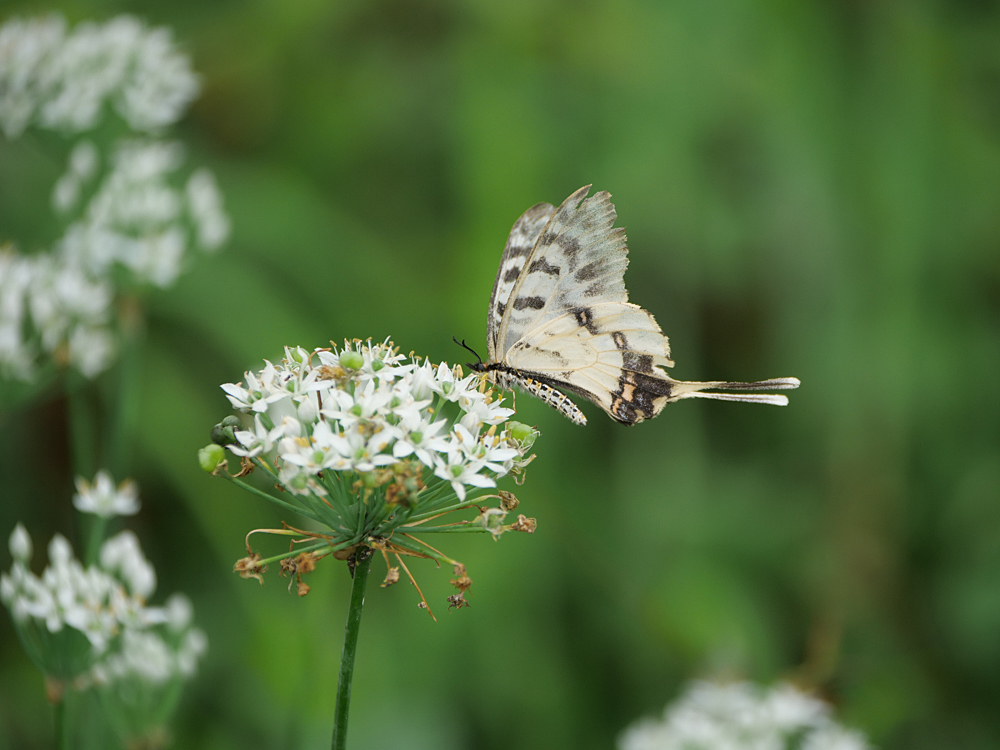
[(67, 595), (118, 635), (82, 166), (104, 499), (25, 50), (65, 80), (122, 557), (20, 544), (742, 716), (139, 215), (205, 205)]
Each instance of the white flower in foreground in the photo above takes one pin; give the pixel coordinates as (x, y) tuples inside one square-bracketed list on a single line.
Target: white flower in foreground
[(371, 418), (104, 499), (742, 716), (374, 447)]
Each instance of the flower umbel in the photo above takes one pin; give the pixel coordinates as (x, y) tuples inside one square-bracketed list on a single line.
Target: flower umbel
[(709, 716), (130, 214), (374, 448)]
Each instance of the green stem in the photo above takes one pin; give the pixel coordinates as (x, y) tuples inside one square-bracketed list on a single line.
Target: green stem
[(98, 526), (363, 563), (61, 722), (123, 400), (302, 511), (82, 427), (464, 529)]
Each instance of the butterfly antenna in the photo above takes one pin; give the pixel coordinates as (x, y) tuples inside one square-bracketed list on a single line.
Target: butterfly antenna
[(463, 344)]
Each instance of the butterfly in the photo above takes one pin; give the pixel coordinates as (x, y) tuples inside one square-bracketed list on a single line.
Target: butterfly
[(560, 320)]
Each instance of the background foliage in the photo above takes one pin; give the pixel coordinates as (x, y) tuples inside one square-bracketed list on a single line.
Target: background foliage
[(810, 189)]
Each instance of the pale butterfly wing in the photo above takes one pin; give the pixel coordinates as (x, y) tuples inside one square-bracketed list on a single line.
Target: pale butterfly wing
[(578, 259), (562, 320), (519, 245)]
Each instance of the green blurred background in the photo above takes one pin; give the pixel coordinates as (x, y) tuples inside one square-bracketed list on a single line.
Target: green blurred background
[(809, 189)]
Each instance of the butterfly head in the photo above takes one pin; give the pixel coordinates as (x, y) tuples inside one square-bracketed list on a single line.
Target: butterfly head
[(478, 366)]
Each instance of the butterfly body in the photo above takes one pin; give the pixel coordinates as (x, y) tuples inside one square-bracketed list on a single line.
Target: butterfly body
[(560, 319)]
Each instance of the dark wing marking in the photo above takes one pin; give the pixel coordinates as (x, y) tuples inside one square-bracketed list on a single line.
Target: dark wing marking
[(519, 244)]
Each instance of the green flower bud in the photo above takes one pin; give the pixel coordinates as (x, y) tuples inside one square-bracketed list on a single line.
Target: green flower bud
[(522, 433), (351, 361), (210, 457), (377, 364), (224, 433)]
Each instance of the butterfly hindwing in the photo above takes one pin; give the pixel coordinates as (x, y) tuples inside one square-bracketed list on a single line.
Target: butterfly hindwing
[(609, 353), (519, 245), (578, 259)]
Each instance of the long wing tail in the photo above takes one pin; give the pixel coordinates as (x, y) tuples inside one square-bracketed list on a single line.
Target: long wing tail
[(682, 389)]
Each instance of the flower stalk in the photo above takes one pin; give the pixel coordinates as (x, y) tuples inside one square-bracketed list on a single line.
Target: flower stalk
[(362, 567), (375, 449)]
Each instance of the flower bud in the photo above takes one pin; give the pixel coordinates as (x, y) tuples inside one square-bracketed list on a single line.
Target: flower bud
[(20, 544), (523, 434), (352, 360), (307, 410), (224, 433), (210, 457)]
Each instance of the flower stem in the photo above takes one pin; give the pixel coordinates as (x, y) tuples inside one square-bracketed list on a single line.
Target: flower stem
[(82, 427), (98, 526), (362, 565), (60, 724), (123, 399), (56, 692)]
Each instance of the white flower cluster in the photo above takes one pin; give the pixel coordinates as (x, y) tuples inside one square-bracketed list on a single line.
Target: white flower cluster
[(742, 716), (68, 311), (102, 602), (97, 601), (102, 498), (366, 407), (131, 210), (62, 80), (136, 218), (156, 655)]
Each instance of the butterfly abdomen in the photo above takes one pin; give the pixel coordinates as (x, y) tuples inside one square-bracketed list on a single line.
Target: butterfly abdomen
[(508, 379)]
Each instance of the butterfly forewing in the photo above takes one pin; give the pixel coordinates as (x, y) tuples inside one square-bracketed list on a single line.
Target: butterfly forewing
[(577, 260), (519, 245)]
